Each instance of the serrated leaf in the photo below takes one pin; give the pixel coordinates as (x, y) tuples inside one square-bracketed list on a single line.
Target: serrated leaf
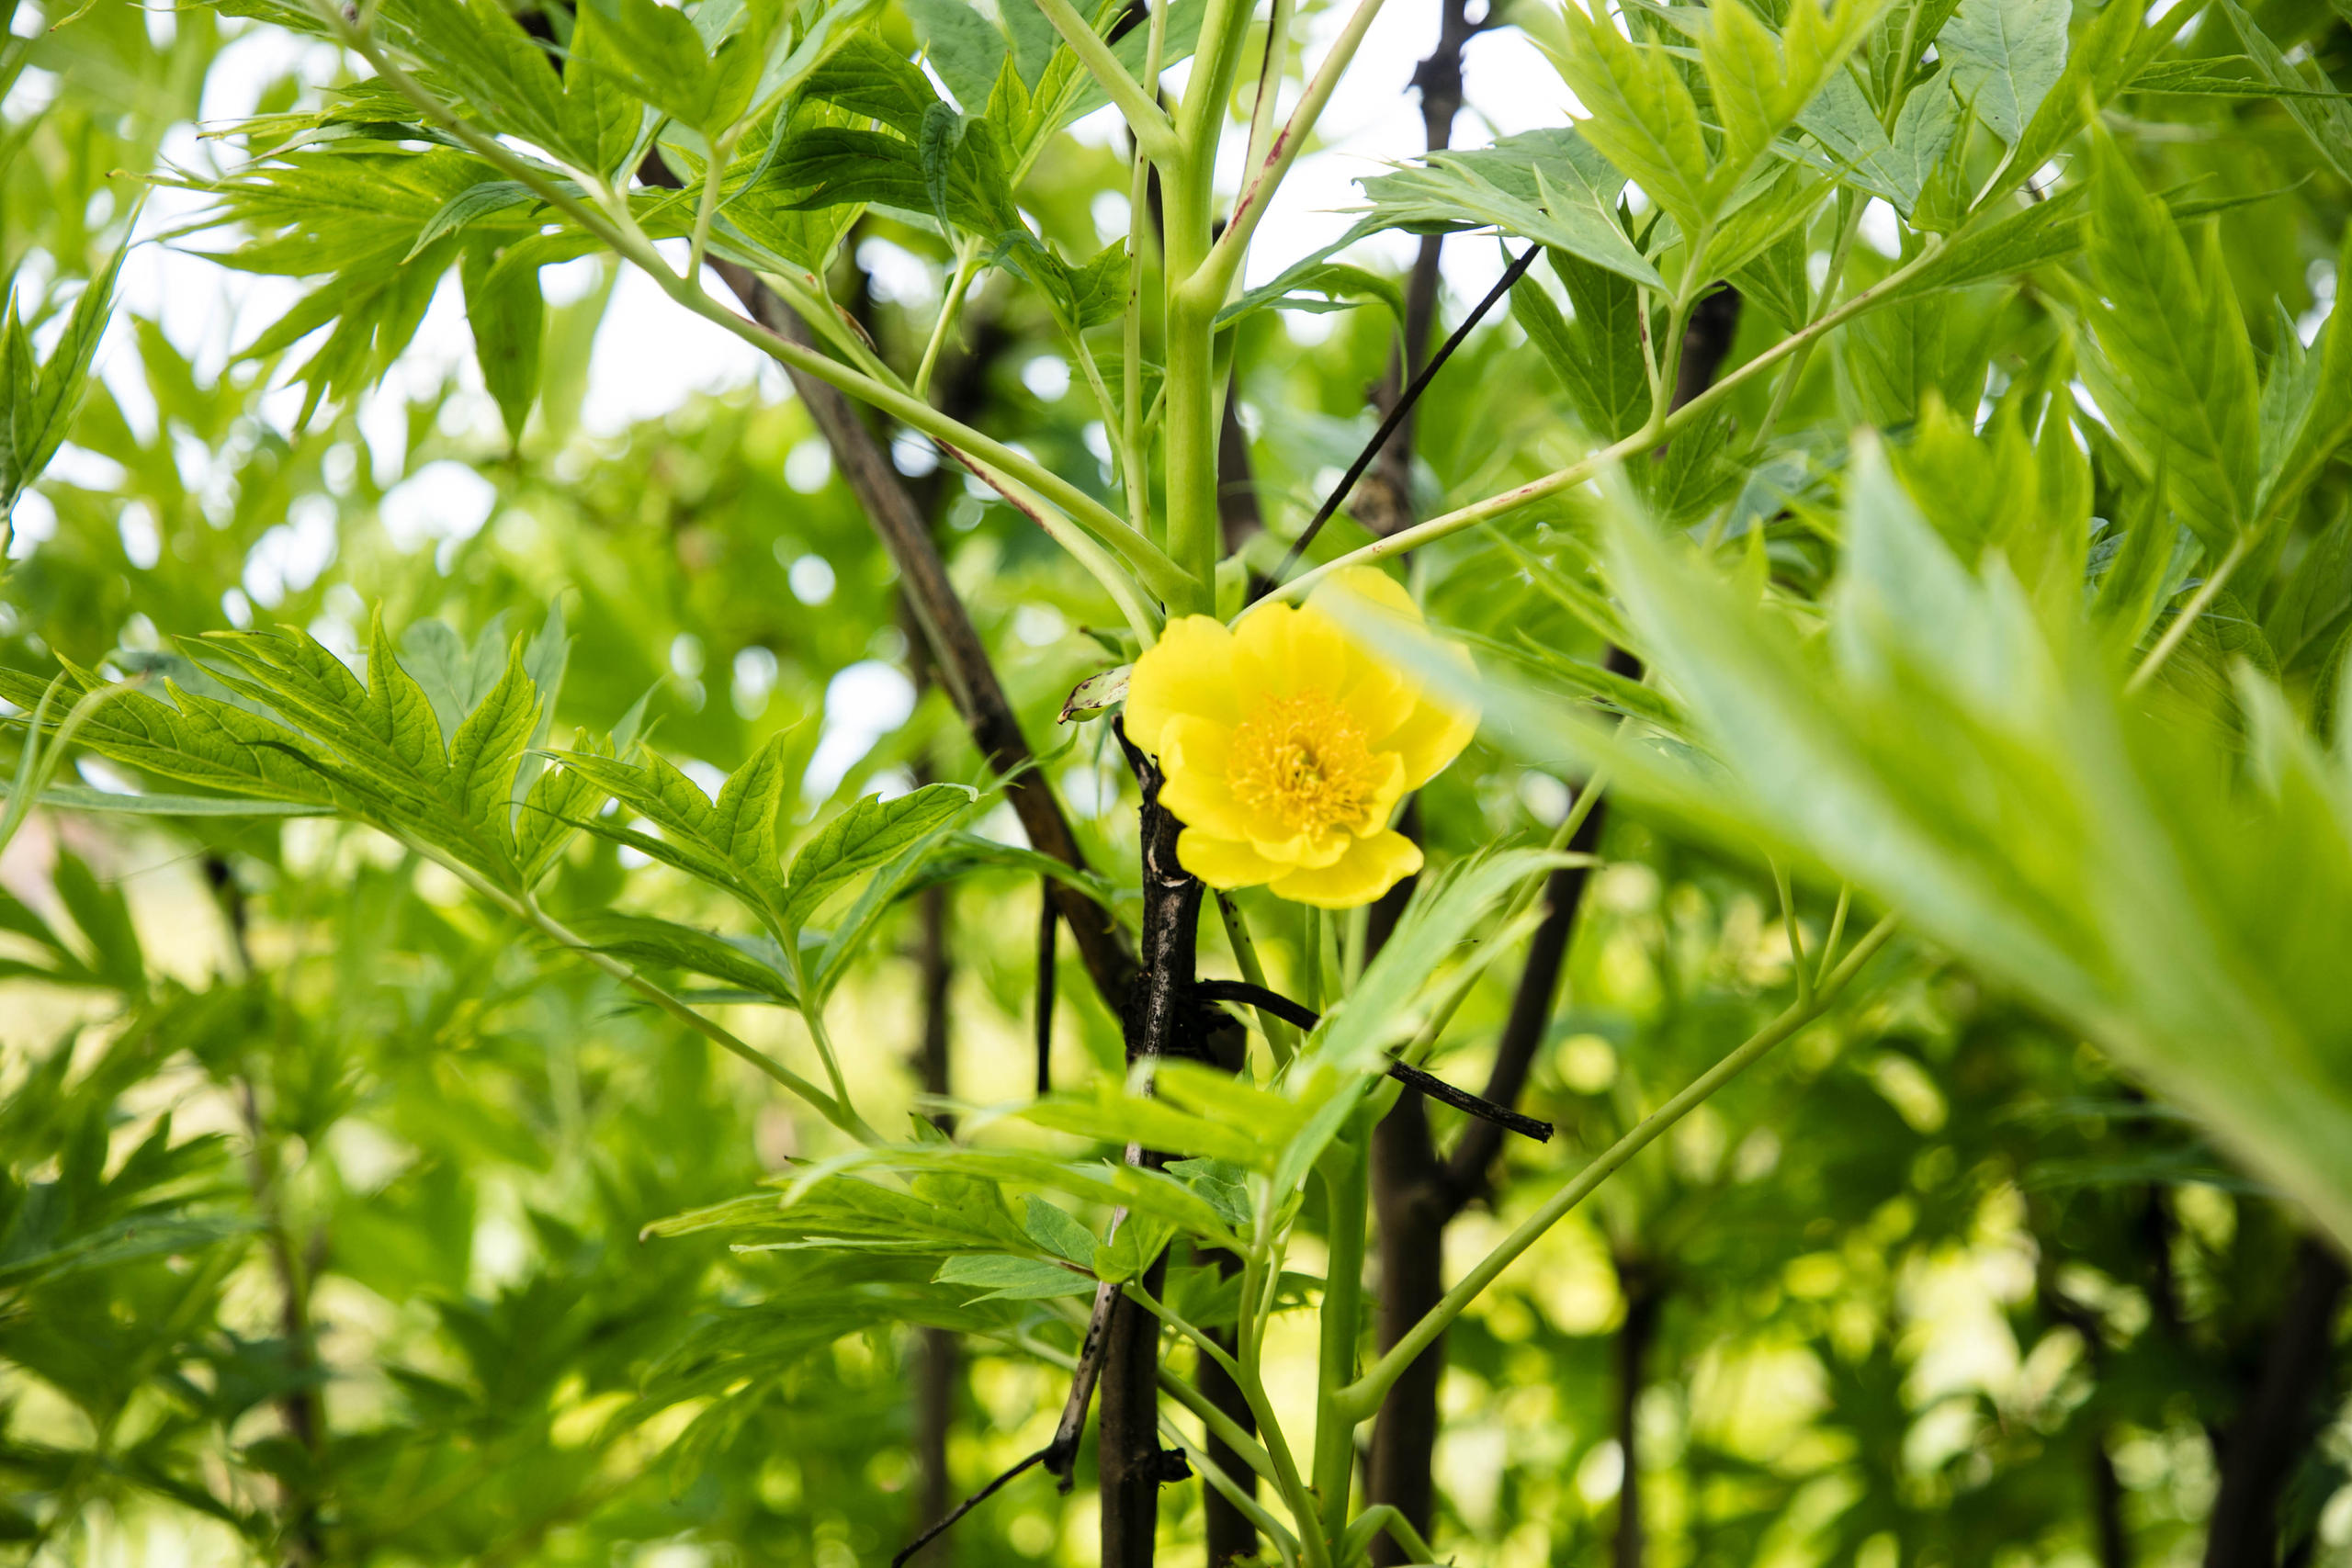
[(2177, 372), (1013, 1279), (2006, 55), (645, 940), (1550, 186), (1058, 1232), (2324, 115), (871, 832)]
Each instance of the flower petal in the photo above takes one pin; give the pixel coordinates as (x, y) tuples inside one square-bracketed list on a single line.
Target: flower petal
[(1371, 867), (1284, 651), (1223, 863), (1382, 805), (1193, 754), (1189, 669), (1437, 731)]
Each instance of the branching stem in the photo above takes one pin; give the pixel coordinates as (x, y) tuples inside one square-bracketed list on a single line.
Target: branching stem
[(1361, 1398)]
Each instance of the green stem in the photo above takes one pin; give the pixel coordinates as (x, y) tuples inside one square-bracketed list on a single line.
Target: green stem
[(526, 909), (1224, 262), (1360, 1399), (1276, 1447), (707, 207), (1155, 133), (1796, 937), (1494, 506), (1281, 1038), (948, 309), (812, 1013), (1346, 1179), (1155, 567), (2214, 582)]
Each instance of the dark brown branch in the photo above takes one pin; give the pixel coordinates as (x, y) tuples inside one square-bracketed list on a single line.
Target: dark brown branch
[(1397, 415), (1487, 1111), (1531, 1011), (966, 1506), (1643, 1300), (1436, 1087), (1049, 923), (1163, 1019), (2286, 1410)]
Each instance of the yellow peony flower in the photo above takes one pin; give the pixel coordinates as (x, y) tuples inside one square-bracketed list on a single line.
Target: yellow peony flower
[(1286, 745)]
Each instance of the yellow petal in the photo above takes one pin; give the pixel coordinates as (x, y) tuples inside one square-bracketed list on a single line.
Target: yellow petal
[(1189, 669), (1223, 863), (1377, 694), (1369, 583), (1315, 849), (1192, 753), (1284, 651), (1279, 847), (1437, 731), (1382, 805), (1371, 867)]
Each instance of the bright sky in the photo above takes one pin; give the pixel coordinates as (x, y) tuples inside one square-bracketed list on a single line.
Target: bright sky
[(649, 354)]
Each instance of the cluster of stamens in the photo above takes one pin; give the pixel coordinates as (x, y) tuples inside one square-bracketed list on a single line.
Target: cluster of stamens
[(1304, 761)]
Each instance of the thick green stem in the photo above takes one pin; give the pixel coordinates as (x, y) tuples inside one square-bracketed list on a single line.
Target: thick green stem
[(1346, 1178), (1360, 1399)]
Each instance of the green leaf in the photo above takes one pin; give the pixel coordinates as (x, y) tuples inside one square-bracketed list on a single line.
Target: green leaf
[(2324, 115), (2005, 55), (872, 79), (1014, 1279), (1058, 1233), (963, 46), (1111, 1115), (1950, 760), (488, 746), (461, 209), (870, 833), (42, 399), (644, 939), (655, 50), (1643, 120), (1552, 186), (1598, 353), (2177, 372), (508, 316)]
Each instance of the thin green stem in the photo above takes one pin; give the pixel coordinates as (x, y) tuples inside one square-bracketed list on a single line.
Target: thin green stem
[(1361, 1398), (686, 291), (1281, 1038), (1223, 262), (1786, 387), (812, 1013), (1385, 1516), (721, 151), (1494, 506), (1285, 1543), (1155, 133), (1116, 581), (2215, 581), (1310, 957), (1275, 1447), (949, 308), (1836, 932), (1346, 1181), (1796, 937), (526, 909)]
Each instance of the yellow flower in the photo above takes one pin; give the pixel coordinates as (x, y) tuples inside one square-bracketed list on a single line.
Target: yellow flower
[(1286, 745)]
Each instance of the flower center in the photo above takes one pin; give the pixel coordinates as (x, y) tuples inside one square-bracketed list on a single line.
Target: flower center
[(1303, 761)]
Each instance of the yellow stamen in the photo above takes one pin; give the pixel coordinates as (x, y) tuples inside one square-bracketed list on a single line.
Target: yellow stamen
[(1303, 761)]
